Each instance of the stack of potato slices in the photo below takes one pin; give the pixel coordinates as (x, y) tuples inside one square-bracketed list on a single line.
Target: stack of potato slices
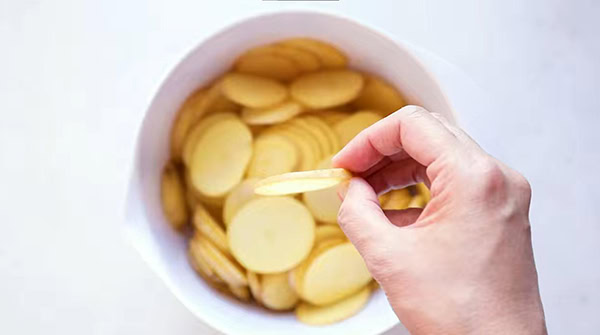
[(284, 107)]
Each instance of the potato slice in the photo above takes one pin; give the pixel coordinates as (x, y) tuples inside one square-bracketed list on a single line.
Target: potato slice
[(324, 204), (270, 235), (189, 113), (332, 138), (379, 95), (272, 154), (240, 292), (354, 124), (315, 133), (255, 286), (277, 293), (253, 91), (326, 89), (329, 56), (326, 232), (418, 201), (335, 312), (272, 115), (424, 191), (206, 225), (223, 266), (220, 157), (237, 198), (304, 181), (304, 60), (199, 264), (397, 199), (267, 65), (306, 147), (331, 117), (173, 198), (198, 131), (195, 197)]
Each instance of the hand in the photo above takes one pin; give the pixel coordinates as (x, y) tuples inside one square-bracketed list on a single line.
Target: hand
[(462, 265)]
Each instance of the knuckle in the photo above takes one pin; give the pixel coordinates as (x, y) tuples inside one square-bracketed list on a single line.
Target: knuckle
[(488, 176)]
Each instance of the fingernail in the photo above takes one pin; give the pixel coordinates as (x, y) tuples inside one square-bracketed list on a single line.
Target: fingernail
[(343, 189)]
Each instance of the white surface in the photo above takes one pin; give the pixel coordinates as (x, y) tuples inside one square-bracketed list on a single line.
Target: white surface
[(75, 79)]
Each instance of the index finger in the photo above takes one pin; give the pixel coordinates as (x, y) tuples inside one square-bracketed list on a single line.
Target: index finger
[(412, 129)]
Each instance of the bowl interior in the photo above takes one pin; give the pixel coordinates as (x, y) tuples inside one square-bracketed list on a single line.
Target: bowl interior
[(165, 250)]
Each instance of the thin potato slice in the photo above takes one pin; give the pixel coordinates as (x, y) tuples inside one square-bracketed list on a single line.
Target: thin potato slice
[(253, 91), (240, 292), (335, 312), (268, 65), (334, 274), (326, 89), (173, 198), (332, 138), (308, 156), (304, 60), (424, 191), (314, 133), (198, 131), (220, 157), (270, 235), (331, 117), (397, 199), (225, 268), (206, 225), (354, 124), (272, 154), (277, 293), (329, 56), (324, 204), (326, 232), (199, 264), (299, 182), (272, 115), (195, 197), (379, 95), (255, 286), (237, 198), (189, 113), (418, 201)]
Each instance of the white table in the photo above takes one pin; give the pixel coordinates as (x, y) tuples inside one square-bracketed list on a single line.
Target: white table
[(76, 76)]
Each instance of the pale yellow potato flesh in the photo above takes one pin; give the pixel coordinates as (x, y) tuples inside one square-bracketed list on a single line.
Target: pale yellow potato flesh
[(230, 272), (324, 148), (424, 191), (379, 95), (198, 131), (208, 227), (187, 116), (349, 127), (418, 201), (308, 156), (173, 197), (272, 155), (332, 138), (198, 262), (255, 286), (268, 65), (326, 89), (326, 232), (304, 60), (276, 293), (331, 117), (272, 115), (238, 197), (324, 204), (271, 234), (397, 199), (253, 91), (335, 312), (303, 181), (328, 55), (240, 292)]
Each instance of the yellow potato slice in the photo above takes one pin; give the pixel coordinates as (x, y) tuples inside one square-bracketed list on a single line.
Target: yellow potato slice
[(326, 232), (268, 65), (195, 197), (327, 89), (253, 91), (424, 191), (277, 293), (272, 115), (329, 56), (418, 201), (198, 131), (255, 286), (304, 60), (373, 285), (306, 147), (199, 264), (237, 198), (240, 292), (354, 124), (189, 113), (223, 266), (299, 182), (379, 95), (397, 199), (173, 197), (206, 225), (331, 117), (272, 154), (220, 157), (335, 312), (332, 138), (322, 142), (324, 204), (270, 235)]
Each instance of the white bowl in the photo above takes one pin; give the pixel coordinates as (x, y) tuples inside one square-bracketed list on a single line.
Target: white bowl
[(165, 250)]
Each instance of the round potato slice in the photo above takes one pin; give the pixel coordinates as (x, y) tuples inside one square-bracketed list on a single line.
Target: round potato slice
[(189, 113), (326, 232), (327, 89), (272, 115), (173, 197), (299, 182), (354, 124), (253, 91), (272, 154), (306, 147), (334, 274), (240, 292), (335, 312), (267, 65), (305, 61), (209, 228), (397, 199), (324, 204), (379, 95), (332, 138), (277, 293), (195, 197), (255, 286), (237, 198), (199, 264), (329, 56), (331, 117), (223, 266), (271, 235), (198, 131), (220, 157), (314, 133)]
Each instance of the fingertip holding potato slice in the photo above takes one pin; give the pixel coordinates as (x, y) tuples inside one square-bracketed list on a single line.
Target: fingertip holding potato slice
[(326, 89), (379, 95), (303, 181), (223, 266), (335, 312), (209, 228), (348, 128), (271, 235), (238, 197), (328, 55), (268, 65), (272, 115), (253, 91), (173, 197), (272, 155), (324, 204), (277, 293)]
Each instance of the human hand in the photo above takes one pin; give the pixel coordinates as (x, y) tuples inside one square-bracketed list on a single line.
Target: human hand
[(463, 264)]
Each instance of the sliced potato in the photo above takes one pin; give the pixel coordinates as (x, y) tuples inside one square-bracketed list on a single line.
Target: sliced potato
[(335, 312), (198, 131), (332, 138), (334, 274), (277, 293), (272, 154), (223, 266), (267, 65), (304, 181), (195, 197), (379, 95), (253, 91), (418, 201), (329, 56), (189, 113), (424, 191), (326, 89), (255, 286), (240, 292), (199, 264), (220, 157), (322, 142), (206, 225), (326, 232), (237, 198), (270, 235), (324, 204), (304, 60), (306, 147), (354, 124), (331, 117), (272, 115), (397, 199), (173, 198)]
